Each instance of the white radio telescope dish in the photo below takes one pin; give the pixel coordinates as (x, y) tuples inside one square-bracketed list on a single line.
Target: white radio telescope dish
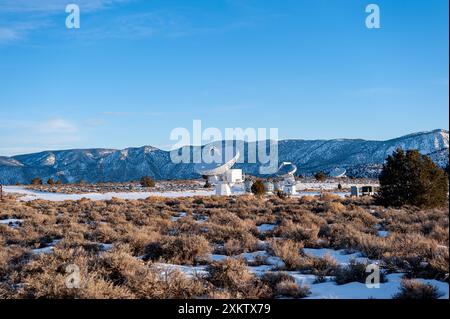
[(219, 167), (338, 172), (220, 170)]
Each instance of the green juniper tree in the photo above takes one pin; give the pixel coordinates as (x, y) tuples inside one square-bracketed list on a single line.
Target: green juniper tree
[(410, 178)]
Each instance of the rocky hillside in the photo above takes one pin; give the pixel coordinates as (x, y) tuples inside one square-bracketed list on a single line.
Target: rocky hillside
[(361, 158)]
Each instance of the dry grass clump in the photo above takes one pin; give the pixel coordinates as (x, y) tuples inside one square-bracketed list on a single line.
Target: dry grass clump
[(288, 251), (272, 278), (324, 267), (244, 243), (303, 232), (413, 289), (284, 285), (234, 276), (114, 274), (144, 232), (184, 249), (291, 289)]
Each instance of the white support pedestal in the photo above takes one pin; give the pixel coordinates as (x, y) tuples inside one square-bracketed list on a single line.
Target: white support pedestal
[(290, 189), (223, 189)]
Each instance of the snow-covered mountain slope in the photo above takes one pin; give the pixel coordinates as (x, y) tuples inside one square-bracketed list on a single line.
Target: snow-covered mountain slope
[(361, 158)]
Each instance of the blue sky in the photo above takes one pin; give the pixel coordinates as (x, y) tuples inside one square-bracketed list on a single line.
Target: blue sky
[(136, 69)]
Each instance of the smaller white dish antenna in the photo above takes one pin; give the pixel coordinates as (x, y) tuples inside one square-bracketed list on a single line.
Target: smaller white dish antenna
[(287, 171), (338, 172)]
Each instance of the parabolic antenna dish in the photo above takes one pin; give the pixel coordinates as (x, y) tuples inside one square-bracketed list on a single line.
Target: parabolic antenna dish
[(338, 172), (228, 158), (286, 169)]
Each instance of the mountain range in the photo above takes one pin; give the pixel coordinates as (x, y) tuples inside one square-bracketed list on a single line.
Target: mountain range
[(361, 158)]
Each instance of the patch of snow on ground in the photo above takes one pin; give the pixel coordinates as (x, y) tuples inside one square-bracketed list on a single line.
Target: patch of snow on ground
[(383, 233), (200, 218), (13, 222), (46, 250), (339, 255), (266, 228), (105, 247), (217, 257), (180, 215), (189, 271), (356, 290), (30, 195)]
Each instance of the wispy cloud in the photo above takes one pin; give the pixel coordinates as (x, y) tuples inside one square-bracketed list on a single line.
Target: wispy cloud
[(51, 6), (21, 135), (56, 126), (18, 18), (8, 34), (126, 25), (53, 125)]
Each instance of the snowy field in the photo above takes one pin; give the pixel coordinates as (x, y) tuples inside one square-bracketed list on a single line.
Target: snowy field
[(27, 195), (325, 290), (215, 221)]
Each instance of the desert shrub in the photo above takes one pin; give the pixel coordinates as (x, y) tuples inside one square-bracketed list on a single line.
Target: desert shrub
[(300, 232), (184, 249), (288, 251), (326, 196), (412, 179), (323, 267), (320, 176), (335, 207), (291, 289), (413, 289), (258, 188), (36, 181), (243, 243), (354, 272), (281, 194), (234, 276), (233, 247), (147, 181), (307, 199), (273, 278)]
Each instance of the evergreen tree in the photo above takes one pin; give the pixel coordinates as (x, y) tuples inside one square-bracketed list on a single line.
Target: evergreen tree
[(147, 181), (412, 179), (36, 181), (258, 188), (320, 176)]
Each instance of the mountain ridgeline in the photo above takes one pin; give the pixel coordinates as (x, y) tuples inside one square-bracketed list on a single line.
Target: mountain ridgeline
[(361, 158)]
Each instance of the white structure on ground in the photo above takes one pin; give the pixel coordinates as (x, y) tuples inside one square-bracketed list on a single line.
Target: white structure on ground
[(269, 187), (248, 185), (220, 173), (287, 171)]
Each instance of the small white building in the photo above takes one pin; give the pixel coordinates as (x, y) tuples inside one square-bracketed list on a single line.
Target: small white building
[(234, 176)]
